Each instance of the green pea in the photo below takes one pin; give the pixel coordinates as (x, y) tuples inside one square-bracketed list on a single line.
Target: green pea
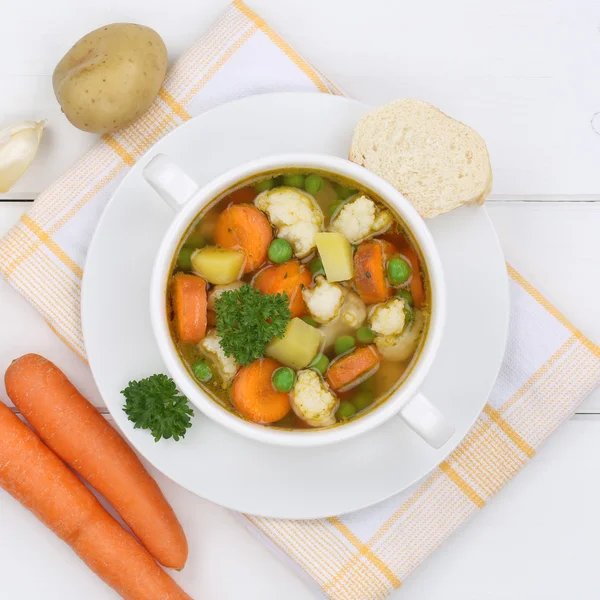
[(319, 363), (310, 321), (265, 184), (398, 270), (202, 371), (195, 240), (294, 180), (184, 260), (343, 344), (283, 379), (406, 296), (343, 193), (365, 335), (316, 266), (362, 399), (313, 183), (345, 410), (280, 251)]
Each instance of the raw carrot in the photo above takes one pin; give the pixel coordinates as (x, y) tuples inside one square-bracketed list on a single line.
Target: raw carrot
[(79, 434), (255, 397), (288, 277), (42, 483), (188, 296), (369, 271), (416, 283), (347, 369), (244, 226)]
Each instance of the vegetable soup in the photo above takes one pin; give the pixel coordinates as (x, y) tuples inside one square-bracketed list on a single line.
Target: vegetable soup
[(298, 300)]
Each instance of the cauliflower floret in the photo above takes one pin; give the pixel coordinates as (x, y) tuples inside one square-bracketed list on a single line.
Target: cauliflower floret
[(402, 347), (361, 218), (301, 236), (388, 318), (354, 311), (216, 292), (351, 316), (226, 365), (295, 214), (323, 300), (312, 401)]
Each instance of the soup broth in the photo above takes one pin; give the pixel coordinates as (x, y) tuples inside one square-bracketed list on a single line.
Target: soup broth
[(356, 293)]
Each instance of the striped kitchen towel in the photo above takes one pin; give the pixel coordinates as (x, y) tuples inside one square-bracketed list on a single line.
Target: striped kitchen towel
[(549, 365)]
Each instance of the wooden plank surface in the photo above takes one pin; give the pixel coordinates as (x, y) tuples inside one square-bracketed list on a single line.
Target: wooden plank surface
[(521, 73), (524, 74)]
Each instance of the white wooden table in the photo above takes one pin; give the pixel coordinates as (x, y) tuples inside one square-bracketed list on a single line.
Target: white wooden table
[(524, 74)]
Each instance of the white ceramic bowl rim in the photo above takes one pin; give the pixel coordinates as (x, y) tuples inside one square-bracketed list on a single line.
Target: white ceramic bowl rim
[(161, 271)]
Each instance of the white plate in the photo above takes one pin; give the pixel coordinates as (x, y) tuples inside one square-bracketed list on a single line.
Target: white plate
[(237, 472)]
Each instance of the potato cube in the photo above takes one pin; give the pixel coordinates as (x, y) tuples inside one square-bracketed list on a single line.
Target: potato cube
[(298, 346), (336, 253), (218, 265)]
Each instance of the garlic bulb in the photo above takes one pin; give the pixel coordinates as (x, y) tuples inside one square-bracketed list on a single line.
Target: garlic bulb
[(18, 147)]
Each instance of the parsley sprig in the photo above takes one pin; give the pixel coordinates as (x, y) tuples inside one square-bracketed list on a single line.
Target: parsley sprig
[(154, 403), (247, 321)]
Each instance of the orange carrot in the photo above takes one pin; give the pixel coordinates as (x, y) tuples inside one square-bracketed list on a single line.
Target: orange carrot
[(347, 369), (255, 397), (79, 434), (42, 483), (416, 283), (244, 226), (369, 271), (188, 295), (288, 277)]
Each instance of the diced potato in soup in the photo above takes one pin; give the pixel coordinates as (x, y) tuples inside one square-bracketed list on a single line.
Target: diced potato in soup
[(299, 345), (336, 253), (313, 300), (218, 265)]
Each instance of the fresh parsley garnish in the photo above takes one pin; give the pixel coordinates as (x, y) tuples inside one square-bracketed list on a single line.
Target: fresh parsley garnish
[(155, 403), (247, 321)]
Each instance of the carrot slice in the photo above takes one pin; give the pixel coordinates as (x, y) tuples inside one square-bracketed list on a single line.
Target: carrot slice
[(288, 277), (244, 226), (43, 484), (255, 397), (348, 368), (188, 295), (369, 271), (416, 283), (75, 430)]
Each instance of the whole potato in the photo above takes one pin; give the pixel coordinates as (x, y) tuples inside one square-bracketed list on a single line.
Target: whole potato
[(110, 76)]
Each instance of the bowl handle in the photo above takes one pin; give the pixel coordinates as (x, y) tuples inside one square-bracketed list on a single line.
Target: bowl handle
[(171, 183), (426, 420)]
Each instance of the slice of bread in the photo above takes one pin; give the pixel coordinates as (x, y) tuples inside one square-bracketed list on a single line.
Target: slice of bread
[(436, 162)]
